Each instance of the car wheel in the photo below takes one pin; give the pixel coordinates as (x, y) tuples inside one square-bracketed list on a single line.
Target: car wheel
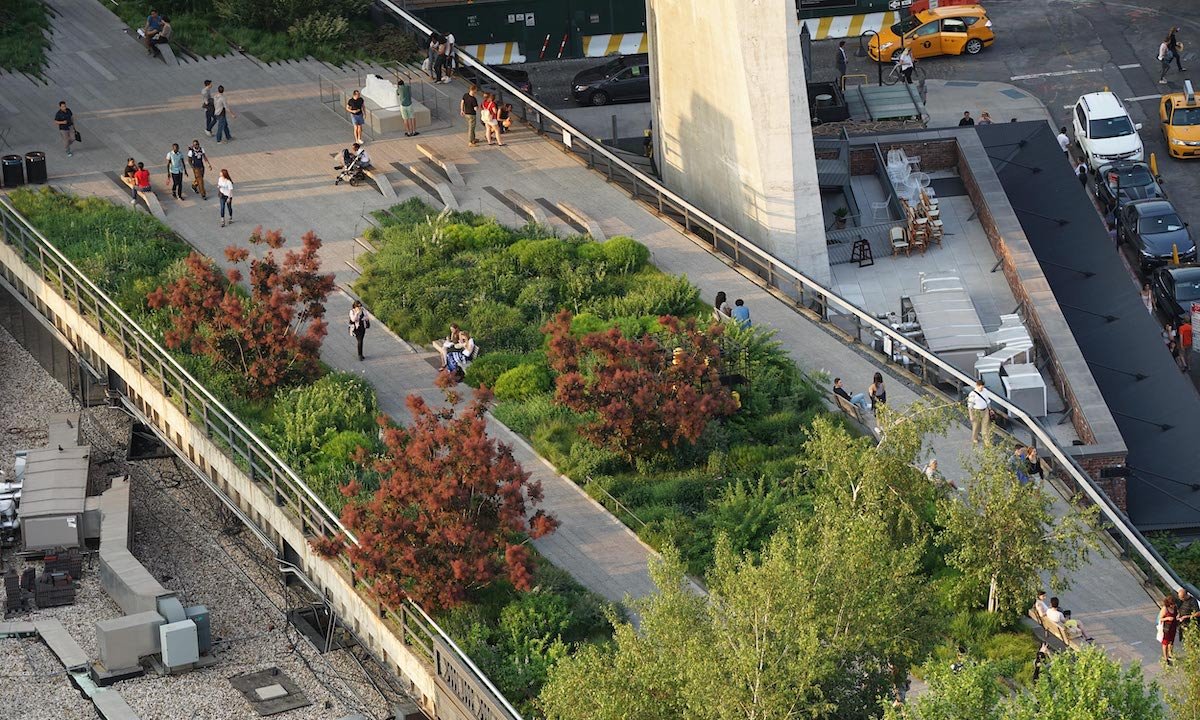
[(974, 45), (598, 98)]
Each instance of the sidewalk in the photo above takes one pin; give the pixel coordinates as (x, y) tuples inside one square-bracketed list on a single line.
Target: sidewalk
[(283, 173)]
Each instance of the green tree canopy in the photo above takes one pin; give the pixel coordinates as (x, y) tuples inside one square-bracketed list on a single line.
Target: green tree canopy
[(1087, 685), (957, 691)]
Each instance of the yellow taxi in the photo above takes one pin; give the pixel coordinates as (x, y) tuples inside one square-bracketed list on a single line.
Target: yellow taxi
[(1179, 114), (941, 31)]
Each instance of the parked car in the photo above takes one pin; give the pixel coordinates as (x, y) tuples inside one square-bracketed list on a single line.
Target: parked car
[(1123, 182), (514, 76), (1179, 115), (1153, 229), (1103, 130), (1174, 290), (943, 31), (623, 78)]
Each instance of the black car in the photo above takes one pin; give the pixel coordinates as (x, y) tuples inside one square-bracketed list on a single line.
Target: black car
[(1153, 230), (1123, 182), (624, 78), (1174, 290), (513, 76)]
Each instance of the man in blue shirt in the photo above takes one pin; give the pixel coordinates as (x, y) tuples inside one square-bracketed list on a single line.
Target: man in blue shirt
[(741, 313), (176, 167)]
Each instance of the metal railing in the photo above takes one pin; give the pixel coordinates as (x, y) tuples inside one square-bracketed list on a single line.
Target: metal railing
[(808, 296), (220, 424)]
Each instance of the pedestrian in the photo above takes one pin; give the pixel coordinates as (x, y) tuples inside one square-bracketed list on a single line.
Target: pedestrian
[(966, 120), (842, 59), (434, 51), (979, 411), (1019, 463), (354, 106), (488, 113), (141, 182), (1168, 623), (223, 112), (359, 322), (206, 102), (64, 120), (468, 108), (439, 60), (877, 392), (1176, 47), (741, 313), (448, 50), (1064, 142), (176, 169), (985, 119), (1184, 345), (1081, 172), (1189, 610), (1164, 59), (225, 195), (1147, 298), (906, 65), (404, 91), (198, 159), (1034, 465)]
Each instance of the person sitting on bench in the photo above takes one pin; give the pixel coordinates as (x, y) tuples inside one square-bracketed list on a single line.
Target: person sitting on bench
[(857, 399), (161, 37), (355, 152), (151, 28)]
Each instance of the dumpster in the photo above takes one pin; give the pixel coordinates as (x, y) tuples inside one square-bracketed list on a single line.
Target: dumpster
[(11, 170), (35, 167)]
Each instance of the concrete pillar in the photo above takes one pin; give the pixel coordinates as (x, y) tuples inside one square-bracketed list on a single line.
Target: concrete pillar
[(731, 121)]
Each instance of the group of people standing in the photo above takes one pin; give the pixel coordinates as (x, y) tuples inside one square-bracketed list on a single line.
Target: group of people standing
[(497, 119), (440, 64), (1177, 614)]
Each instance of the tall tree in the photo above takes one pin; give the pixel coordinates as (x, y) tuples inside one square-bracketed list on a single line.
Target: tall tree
[(266, 338), (649, 393), (1003, 536), (957, 691), (1087, 685), (1183, 678), (452, 512)]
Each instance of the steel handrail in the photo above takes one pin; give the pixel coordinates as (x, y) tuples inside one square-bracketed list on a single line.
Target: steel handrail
[(164, 356), (1118, 518)]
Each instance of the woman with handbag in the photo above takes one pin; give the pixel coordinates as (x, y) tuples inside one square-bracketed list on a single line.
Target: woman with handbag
[(358, 324), (489, 113), (1168, 622)]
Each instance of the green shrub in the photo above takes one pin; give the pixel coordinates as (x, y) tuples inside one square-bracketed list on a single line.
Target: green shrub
[(524, 417), (307, 418), (491, 366), (23, 44), (652, 294), (319, 28), (498, 327), (585, 460), (625, 254), (554, 438), (542, 257), (522, 382)]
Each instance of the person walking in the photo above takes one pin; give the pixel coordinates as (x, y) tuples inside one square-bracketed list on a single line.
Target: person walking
[(225, 195), (206, 102), (1168, 623), (1081, 172), (468, 107), (1176, 48), (223, 112), (434, 51), (404, 92), (198, 159), (842, 60), (1184, 346), (1064, 142), (489, 114), (450, 62), (64, 120), (141, 182), (978, 410), (354, 106), (176, 169), (966, 120), (1164, 59), (1147, 298), (359, 322), (439, 59)]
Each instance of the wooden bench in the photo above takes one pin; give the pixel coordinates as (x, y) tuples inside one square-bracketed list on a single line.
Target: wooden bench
[(382, 182), (149, 198), (444, 191), (584, 220), (1055, 631), (449, 167)]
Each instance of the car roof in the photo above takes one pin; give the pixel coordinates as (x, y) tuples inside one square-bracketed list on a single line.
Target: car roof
[(1122, 166), (1154, 207), (1185, 272), (952, 11), (1102, 105)]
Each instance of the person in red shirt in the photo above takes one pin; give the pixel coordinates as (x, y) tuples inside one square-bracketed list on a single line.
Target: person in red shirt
[(1185, 344), (141, 182)]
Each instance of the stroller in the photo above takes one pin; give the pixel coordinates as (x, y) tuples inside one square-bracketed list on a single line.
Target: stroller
[(350, 171)]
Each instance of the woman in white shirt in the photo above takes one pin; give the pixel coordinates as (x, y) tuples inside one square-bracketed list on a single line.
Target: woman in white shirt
[(906, 65), (225, 195)]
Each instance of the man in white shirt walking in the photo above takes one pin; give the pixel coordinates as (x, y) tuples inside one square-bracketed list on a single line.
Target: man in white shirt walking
[(977, 410), (1064, 142)]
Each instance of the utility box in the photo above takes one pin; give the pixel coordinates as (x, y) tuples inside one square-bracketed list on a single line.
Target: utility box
[(199, 615), (179, 643), (125, 639)]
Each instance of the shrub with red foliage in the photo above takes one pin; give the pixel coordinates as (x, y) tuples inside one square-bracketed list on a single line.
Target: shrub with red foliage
[(649, 393), (271, 338), (451, 513)]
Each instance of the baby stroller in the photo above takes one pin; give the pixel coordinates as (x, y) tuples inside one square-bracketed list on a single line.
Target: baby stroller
[(350, 170)]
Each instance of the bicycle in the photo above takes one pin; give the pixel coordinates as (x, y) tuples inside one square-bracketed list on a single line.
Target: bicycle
[(896, 75)]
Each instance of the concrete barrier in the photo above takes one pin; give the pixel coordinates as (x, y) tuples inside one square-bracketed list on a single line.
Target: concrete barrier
[(451, 170), (149, 199), (444, 191)]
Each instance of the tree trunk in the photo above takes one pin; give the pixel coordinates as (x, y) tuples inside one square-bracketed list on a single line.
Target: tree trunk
[(991, 605)]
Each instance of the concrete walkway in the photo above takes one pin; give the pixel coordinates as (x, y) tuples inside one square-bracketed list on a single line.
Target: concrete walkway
[(280, 161)]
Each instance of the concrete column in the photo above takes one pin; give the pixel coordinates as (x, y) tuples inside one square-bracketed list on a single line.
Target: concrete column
[(731, 121)]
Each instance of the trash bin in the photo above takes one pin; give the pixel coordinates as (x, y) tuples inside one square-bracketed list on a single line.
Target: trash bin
[(11, 170), (35, 167)]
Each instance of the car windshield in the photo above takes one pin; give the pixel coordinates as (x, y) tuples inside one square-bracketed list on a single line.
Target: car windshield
[(1187, 288), (907, 24), (1109, 128), (1160, 224), (1186, 116), (1129, 177), (613, 66)]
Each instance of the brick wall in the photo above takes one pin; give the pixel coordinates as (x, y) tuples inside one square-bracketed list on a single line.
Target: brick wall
[(935, 155)]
